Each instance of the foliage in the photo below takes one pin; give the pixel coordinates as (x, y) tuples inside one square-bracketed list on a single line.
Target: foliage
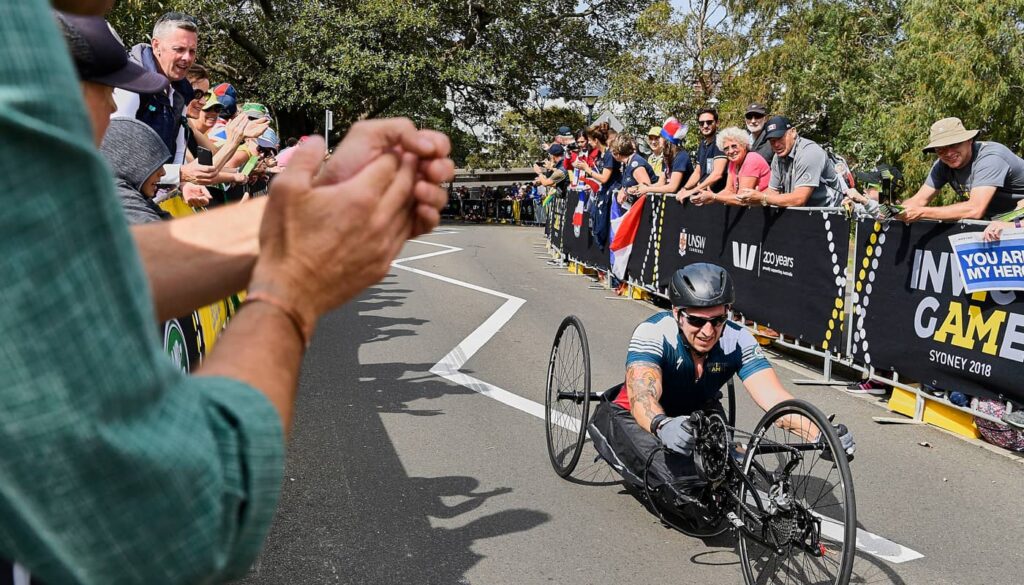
[(518, 139), (679, 61), (458, 63)]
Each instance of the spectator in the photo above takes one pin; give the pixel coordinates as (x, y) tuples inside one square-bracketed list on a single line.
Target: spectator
[(172, 53), (657, 158), (137, 156), (747, 169), (802, 175), (552, 175), (606, 172), (103, 66), (582, 144), (987, 178), (116, 426), (675, 159), (755, 118), (709, 172), (636, 170), (199, 79)]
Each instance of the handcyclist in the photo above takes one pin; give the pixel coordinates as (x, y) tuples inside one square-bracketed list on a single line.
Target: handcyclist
[(677, 363)]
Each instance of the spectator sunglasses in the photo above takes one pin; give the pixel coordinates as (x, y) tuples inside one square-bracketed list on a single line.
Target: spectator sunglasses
[(700, 322)]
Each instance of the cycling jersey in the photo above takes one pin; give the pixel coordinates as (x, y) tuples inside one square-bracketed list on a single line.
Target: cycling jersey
[(658, 341)]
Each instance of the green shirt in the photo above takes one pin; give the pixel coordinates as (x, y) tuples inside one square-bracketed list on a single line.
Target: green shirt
[(117, 468)]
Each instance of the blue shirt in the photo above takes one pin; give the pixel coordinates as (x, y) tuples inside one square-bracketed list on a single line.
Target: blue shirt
[(707, 153), (681, 164), (658, 341), (608, 162), (632, 164)]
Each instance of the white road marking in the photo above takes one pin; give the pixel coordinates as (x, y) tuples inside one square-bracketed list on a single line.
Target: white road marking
[(449, 366)]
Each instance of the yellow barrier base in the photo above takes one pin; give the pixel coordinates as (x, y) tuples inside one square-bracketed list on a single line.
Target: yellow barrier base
[(935, 413), (635, 292)]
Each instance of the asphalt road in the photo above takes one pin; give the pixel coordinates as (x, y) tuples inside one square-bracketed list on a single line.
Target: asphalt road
[(398, 475)]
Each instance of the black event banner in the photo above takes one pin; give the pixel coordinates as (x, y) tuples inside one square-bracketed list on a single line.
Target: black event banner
[(578, 237), (788, 265), (912, 316)]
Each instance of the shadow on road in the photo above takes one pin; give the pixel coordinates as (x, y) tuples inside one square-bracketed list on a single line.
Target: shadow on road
[(349, 513)]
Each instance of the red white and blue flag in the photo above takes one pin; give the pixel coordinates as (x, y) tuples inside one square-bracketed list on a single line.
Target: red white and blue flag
[(624, 230), (577, 214)]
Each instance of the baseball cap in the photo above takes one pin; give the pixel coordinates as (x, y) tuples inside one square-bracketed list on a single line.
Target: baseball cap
[(777, 126), (230, 105), (255, 110), (212, 100), (225, 89), (100, 56), (556, 150), (564, 131), (756, 108), (268, 139), (654, 131)]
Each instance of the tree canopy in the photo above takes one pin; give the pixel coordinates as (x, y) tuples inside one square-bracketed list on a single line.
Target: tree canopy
[(434, 61), (866, 77)]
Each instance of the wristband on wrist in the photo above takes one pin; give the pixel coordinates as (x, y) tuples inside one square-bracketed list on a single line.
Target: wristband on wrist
[(656, 423), (1016, 223), (305, 333)]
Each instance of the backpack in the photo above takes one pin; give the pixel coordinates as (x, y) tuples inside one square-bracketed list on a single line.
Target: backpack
[(999, 434)]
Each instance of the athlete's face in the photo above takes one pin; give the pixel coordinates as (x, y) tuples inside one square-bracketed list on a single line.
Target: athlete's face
[(702, 327)]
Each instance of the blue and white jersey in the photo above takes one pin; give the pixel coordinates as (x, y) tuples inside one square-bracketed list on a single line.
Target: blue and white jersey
[(658, 341)]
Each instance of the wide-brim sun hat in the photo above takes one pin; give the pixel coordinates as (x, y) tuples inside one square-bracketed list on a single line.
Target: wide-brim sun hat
[(947, 132)]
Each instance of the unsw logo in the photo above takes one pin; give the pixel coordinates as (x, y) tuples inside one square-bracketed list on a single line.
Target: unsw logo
[(744, 255)]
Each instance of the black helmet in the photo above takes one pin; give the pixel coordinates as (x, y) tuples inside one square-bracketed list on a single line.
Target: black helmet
[(701, 285)]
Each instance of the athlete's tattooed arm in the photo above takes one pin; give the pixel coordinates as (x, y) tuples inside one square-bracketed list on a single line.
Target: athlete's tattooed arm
[(643, 382)]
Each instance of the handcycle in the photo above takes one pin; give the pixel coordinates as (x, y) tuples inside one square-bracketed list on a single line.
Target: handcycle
[(789, 501)]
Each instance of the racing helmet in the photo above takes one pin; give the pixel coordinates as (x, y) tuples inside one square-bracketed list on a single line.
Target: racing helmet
[(701, 285)]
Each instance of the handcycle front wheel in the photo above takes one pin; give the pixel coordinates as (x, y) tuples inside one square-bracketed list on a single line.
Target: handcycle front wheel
[(567, 396), (807, 514)]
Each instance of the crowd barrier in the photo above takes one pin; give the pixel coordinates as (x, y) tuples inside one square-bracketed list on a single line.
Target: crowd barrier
[(880, 297), (490, 210), (189, 338)]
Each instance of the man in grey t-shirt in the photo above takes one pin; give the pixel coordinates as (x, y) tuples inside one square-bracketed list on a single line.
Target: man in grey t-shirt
[(987, 177), (802, 175)]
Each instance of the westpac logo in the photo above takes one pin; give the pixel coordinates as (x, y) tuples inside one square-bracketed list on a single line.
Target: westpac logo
[(744, 255)]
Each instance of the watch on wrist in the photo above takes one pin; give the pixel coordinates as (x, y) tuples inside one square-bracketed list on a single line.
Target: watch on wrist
[(1016, 223), (764, 200), (656, 423)]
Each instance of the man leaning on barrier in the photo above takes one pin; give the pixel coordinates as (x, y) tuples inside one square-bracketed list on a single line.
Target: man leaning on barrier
[(802, 174), (118, 467), (987, 178)]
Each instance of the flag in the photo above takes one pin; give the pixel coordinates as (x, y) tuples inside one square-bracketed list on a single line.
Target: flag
[(577, 214), (624, 230)]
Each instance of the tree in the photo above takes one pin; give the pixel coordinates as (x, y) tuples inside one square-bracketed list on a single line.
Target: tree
[(518, 139), (682, 60), (419, 58)]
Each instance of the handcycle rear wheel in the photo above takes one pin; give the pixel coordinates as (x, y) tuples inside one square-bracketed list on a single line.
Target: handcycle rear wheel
[(814, 542), (567, 396)]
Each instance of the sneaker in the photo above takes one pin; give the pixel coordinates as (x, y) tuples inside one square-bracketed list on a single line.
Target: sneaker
[(1015, 419), (866, 387)]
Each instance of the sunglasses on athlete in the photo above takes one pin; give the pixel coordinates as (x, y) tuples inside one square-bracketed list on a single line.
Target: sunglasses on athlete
[(700, 322)]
